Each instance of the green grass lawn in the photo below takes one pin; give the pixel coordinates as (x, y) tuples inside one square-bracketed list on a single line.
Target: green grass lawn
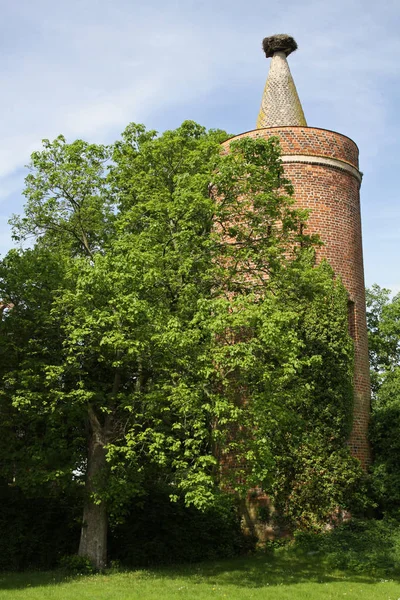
[(260, 576)]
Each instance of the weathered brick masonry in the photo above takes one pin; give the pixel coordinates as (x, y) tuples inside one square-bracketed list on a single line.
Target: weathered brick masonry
[(323, 168)]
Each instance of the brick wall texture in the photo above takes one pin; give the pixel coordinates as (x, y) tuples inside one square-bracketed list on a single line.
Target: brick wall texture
[(323, 168)]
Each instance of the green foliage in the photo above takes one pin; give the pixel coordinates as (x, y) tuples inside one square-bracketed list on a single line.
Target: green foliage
[(292, 359), (383, 320), (76, 565), (315, 471), (156, 531), (40, 439), (371, 547), (43, 532), (286, 357), (102, 344), (385, 427), (37, 530), (170, 316), (68, 199), (383, 315)]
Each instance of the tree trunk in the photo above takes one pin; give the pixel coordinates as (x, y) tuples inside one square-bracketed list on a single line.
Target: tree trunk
[(93, 542)]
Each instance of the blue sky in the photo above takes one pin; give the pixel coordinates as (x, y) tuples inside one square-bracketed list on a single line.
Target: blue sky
[(86, 68)]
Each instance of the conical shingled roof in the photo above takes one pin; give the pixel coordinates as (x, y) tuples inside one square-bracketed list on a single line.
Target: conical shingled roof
[(280, 105)]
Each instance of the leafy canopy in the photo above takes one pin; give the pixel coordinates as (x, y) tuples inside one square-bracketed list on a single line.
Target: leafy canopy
[(170, 311), (383, 317)]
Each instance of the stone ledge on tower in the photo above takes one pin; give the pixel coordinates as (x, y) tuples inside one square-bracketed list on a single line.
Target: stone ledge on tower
[(280, 105)]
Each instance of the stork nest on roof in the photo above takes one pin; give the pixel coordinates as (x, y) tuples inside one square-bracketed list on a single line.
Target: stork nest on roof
[(278, 43)]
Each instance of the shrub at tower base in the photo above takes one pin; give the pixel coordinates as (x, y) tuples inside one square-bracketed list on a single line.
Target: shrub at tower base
[(167, 317)]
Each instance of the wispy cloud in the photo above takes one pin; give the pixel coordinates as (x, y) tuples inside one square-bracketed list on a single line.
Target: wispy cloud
[(89, 68), (86, 69)]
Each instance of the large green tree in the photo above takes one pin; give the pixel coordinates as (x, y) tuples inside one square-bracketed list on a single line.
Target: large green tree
[(168, 317), (108, 360), (383, 318)]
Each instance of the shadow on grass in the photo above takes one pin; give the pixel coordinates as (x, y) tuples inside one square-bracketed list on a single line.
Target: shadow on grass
[(262, 570), (256, 571), (30, 579)]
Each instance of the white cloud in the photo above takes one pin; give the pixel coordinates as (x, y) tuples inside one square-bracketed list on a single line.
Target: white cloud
[(92, 67), (94, 80), (87, 68)]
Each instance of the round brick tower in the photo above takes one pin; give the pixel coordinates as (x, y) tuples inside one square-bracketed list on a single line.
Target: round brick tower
[(323, 168)]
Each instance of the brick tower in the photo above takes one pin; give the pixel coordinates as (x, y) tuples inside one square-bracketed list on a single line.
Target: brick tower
[(323, 168)]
